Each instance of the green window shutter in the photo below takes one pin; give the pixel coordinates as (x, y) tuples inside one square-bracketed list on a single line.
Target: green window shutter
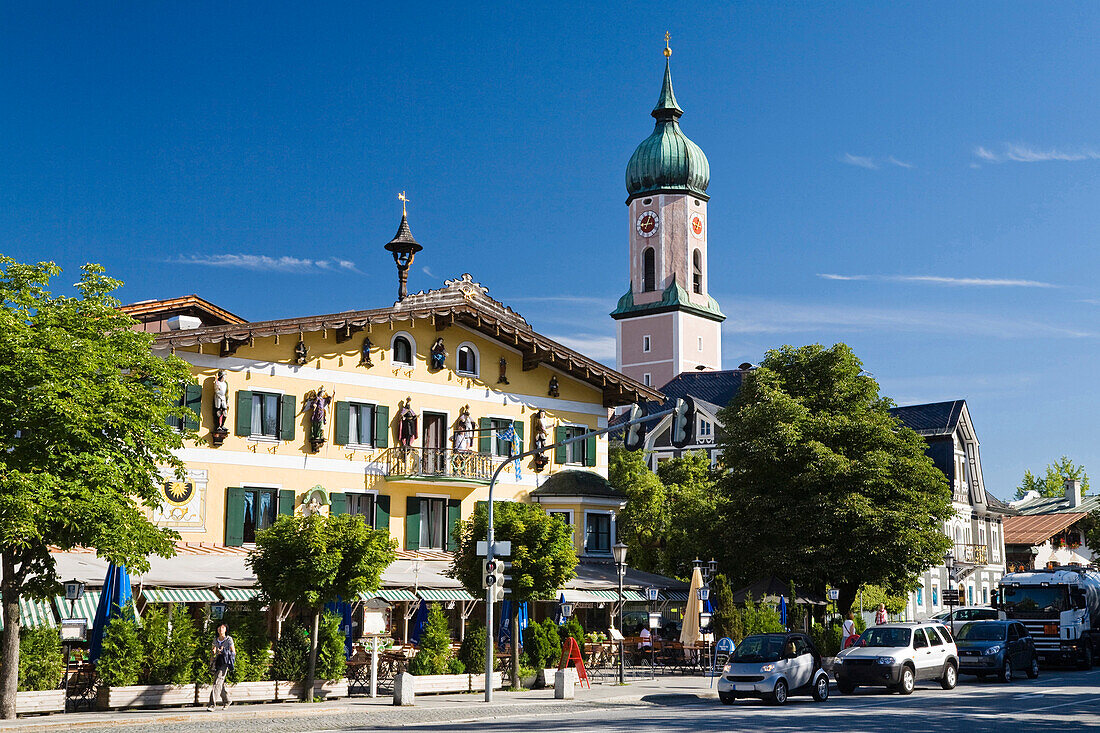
[(234, 517), (338, 504), (517, 425), (381, 426), (343, 421), (286, 502), (559, 452), (288, 412), (382, 513), (412, 523), (590, 451), (244, 412), (454, 514), (484, 437), (193, 401), (482, 505)]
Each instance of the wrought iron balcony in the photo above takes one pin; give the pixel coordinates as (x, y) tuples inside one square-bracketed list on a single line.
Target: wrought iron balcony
[(438, 463), (971, 554)]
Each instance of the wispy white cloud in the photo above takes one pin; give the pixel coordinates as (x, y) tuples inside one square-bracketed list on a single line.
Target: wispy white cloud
[(600, 348), (1026, 154), (428, 272), (263, 262), (751, 316), (865, 161), (938, 280)]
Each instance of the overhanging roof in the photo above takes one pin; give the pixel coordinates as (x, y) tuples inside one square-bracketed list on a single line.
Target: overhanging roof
[(169, 306), (462, 302), (1036, 529)]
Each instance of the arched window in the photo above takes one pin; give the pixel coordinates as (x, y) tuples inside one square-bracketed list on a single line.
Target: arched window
[(649, 270), (697, 272), (402, 351), (467, 360)]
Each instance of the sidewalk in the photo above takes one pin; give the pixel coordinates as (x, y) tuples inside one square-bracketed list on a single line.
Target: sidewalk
[(372, 711)]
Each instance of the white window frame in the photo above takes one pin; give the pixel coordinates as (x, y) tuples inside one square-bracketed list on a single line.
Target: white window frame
[(647, 379), (354, 444), (572, 522), (477, 360), (996, 532), (412, 349), (445, 498), (710, 428), (365, 492), (934, 598), (573, 446), (646, 344), (260, 437), (610, 531)]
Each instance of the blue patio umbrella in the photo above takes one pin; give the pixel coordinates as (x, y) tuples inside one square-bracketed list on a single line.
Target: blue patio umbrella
[(505, 635), (783, 611), (420, 623), (116, 599), (558, 618), (343, 610)]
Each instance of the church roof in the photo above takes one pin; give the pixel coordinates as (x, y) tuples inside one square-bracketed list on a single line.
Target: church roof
[(673, 298), (667, 160), (461, 301)]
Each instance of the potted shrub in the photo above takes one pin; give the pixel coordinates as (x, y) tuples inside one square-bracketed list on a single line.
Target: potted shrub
[(41, 666), (437, 670), (292, 658)]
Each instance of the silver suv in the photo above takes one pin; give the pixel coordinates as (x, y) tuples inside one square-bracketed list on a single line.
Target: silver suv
[(896, 656)]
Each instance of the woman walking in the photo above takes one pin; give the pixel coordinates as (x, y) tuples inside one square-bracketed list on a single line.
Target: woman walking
[(223, 656)]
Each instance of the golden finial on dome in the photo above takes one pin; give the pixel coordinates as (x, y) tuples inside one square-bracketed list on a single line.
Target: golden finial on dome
[(404, 200), (668, 51)]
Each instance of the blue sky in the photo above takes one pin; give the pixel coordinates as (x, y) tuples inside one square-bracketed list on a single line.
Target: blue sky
[(252, 153)]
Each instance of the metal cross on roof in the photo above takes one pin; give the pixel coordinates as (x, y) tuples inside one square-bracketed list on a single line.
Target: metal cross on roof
[(404, 200)]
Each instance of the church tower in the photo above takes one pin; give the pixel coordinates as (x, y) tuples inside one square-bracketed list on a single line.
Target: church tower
[(667, 323)]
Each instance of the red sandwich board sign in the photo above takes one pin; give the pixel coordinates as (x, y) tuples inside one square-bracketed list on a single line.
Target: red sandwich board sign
[(570, 652)]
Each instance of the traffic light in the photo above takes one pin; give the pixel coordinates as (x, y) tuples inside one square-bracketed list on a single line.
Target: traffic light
[(634, 438), (492, 577), (683, 422)]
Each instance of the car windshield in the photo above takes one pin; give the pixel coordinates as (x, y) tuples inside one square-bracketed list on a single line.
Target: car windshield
[(982, 631), (759, 649), (885, 637), (974, 614), (1037, 600)]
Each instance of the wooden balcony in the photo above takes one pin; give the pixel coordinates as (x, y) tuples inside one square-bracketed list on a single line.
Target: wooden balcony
[(438, 464)]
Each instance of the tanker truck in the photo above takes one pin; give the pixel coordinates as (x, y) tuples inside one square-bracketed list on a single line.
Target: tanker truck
[(1061, 610)]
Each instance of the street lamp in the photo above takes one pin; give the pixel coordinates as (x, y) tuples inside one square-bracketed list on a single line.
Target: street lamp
[(619, 553), (712, 568), (949, 563)]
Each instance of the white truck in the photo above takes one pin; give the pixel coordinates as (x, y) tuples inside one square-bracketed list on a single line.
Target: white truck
[(1061, 610)]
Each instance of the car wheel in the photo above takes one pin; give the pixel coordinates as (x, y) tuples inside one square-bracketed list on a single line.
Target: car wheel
[(950, 677), (779, 694), (1033, 670), (1086, 659), (726, 698), (908, 681), (1006, 672), (821, 689), (846, 688)]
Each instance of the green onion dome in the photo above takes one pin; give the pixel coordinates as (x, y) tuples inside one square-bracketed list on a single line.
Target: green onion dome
[(667, 160)]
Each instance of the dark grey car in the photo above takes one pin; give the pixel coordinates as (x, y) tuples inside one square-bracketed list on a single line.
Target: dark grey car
[(996, 648)]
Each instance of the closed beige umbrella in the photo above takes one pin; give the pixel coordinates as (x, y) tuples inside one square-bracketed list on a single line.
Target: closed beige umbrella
[(689, 630)]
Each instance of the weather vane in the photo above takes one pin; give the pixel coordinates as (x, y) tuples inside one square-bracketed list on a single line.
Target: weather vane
[(404, 200), (668, 51)]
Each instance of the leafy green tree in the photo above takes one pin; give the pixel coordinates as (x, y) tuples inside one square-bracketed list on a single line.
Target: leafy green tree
[(825, 486), (552, 633), (311, 560), (472, 650), (543, 558), (1052, 483), (727, 620), (154, 636), (537, 647), (796, 613), (669, 518), (41, 662), (331, 662), (873, 595), (435, 644), (122, 656), (84, 405)]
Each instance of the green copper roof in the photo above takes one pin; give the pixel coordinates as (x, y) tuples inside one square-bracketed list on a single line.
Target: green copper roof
[(667, 160), (673, 298)]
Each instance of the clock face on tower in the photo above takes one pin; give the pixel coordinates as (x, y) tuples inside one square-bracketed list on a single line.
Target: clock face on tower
[(647, 223), (697, 226)]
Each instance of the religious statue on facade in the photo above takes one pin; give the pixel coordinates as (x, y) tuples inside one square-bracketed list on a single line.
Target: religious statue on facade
[(465, 431), (318, 416), (541, 435), (408, 424), (300, 352), (553, 392), (364, 353), (221, 408), (503, 378), (438, 355)]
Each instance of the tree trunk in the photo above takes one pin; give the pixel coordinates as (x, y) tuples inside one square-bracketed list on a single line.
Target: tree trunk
[(847, 598), (9, 641), (308, 694), (515, 644)]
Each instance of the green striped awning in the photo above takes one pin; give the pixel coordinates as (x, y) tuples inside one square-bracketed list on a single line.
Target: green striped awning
[(632, 595), (179, 595), (674, 595), (445, 594), (33, 613), (238, 594), (390, 594), (85, 607), (604, 595)]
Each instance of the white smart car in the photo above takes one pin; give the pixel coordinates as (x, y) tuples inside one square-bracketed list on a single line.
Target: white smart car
[(773, 666)]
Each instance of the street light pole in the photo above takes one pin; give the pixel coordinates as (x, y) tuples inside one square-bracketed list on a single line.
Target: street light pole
[(619, 551)]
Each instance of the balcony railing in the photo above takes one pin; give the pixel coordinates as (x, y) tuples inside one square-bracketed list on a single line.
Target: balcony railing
[(972, 554), (439, 463)]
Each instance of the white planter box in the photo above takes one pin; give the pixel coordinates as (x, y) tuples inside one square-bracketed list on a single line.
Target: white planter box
[(263, 691), (442, 683), (145, 696), (40, 701), (326, 690)]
